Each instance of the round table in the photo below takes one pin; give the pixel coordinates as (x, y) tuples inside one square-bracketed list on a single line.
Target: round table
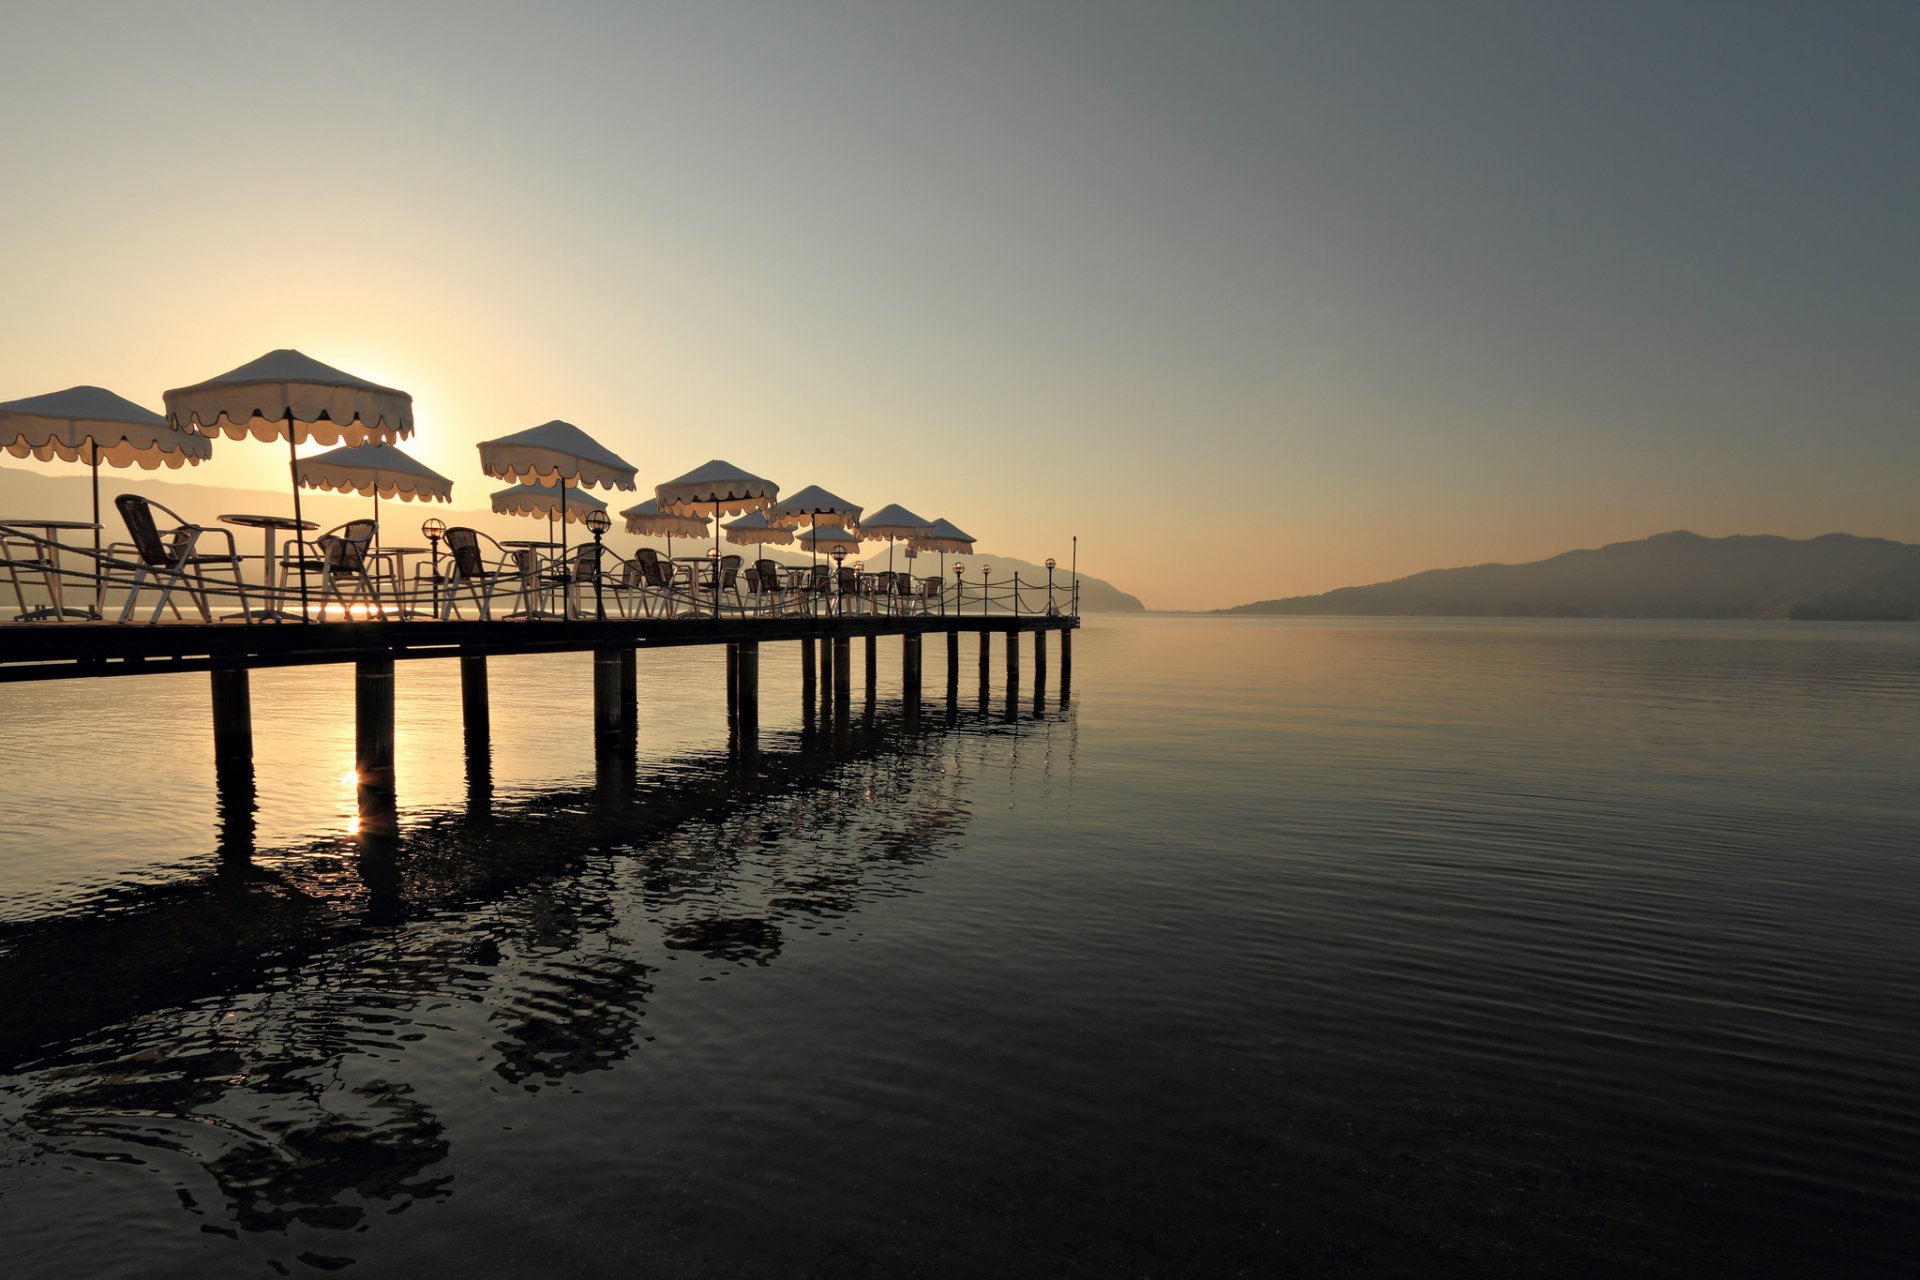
[(270, 525), (50, 569)]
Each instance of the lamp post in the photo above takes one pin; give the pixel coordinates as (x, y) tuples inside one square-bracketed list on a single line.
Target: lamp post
[(434, 528), (959, 568), (1050, 609), (839, 554), (986, 585), (597, 524)]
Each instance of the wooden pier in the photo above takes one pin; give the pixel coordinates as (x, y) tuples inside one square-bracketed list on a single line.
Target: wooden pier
[(229, 652)]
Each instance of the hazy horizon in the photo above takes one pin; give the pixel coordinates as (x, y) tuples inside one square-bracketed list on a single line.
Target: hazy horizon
[(1257, 303)]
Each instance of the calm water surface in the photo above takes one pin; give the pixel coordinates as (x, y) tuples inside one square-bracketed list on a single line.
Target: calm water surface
[(1280, 946)]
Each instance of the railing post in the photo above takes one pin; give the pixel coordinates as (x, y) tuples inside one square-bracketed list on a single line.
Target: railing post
[(1016, 593)]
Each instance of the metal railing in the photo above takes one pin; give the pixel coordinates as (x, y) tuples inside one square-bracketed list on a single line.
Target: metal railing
[(43, 580)]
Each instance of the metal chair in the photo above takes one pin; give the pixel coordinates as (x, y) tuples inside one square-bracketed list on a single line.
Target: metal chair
[(767, 585), (172, 558), (469, 569), (727, 570), (336, 555), (660, 576)]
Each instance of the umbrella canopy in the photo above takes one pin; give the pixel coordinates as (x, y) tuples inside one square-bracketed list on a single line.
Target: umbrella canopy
[(945, 537), (546, 500), (558, 452), (826, 537), (379, 470), (561, 453), (93, 425), (753, 530), (285, 395), (646, 520), (725, 488), (721, 486), (814, 505), (894, 523)]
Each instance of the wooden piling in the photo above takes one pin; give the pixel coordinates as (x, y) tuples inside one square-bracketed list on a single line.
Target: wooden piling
[(609, 689), (1013, 658), (733, 681), (842, 677), (474, 712), (747, 674), (1040, 657), (873, 662), (808, 694), (373, 725), (630, 692), (986, 656), (232, 717)]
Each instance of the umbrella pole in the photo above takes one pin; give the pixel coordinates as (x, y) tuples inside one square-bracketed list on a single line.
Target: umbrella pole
[(563, 544), (293, 468), (99, 568), (716, 560)]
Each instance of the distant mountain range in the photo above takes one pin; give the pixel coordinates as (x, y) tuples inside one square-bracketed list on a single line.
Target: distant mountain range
[(1671, 575)]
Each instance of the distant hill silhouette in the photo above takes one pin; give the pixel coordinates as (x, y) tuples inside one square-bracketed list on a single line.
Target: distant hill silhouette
[(1671, 575)]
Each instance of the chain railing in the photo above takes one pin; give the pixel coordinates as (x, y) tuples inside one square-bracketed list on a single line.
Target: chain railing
[(42, 579)]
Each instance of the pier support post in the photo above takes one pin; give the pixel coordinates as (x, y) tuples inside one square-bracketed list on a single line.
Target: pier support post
[(842, 677), (1040, 657), (747, 678), (232, 717), (1066, 665), (630, 692), (873, 661), (373, 729), (807, 691), (474, 712), (609, 689), (910, 650), (986, 656), (733, 682), (1013, 658)]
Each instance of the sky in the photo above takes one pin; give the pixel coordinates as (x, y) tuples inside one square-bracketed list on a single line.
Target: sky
[(1255, 300)]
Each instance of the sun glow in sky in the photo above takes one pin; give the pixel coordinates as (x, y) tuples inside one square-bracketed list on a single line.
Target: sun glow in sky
[(1256, 299)]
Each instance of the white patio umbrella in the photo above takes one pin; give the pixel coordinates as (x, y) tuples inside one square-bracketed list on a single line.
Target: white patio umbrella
[(946, 536), (551, 501), (381, 470), (814, 506), (561, 453), (94, 424), (287, 395), (646, 520), (725, 488), (893, 523), (752, 530)]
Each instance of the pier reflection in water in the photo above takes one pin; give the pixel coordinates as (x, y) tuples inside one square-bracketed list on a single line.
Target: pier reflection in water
[(266, 1053)]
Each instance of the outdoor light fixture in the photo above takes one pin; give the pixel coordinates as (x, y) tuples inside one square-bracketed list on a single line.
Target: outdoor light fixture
[(597, 525), (839, 554), (433, 528), (1050, 609)]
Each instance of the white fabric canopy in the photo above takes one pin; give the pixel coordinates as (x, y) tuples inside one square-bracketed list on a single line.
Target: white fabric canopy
[(814, 505), (545, 500), (326, 405), (894, 522), (827, 536), (555, 452), (64, 424), (945, 537), (379, 470), (753, 530), (646, 520), (718, 489)]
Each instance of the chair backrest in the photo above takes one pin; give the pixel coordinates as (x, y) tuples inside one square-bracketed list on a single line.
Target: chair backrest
[(653, 568), (769, 575), (729, 570), (821, 578), (849, 580), (932, 588), (463, 544), (631, 574), (586, 562), (345, 548), (138, 514), (753, 579)]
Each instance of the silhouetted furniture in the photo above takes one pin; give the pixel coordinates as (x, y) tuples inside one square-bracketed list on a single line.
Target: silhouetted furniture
[(172, 558), (728, 572), (469, 569), (340, 555), (767, 586), (659, 577)]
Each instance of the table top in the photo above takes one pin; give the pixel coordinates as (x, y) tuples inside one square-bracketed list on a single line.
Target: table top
[(269, 522), (384, 549), (526, 542), (50, 524)]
